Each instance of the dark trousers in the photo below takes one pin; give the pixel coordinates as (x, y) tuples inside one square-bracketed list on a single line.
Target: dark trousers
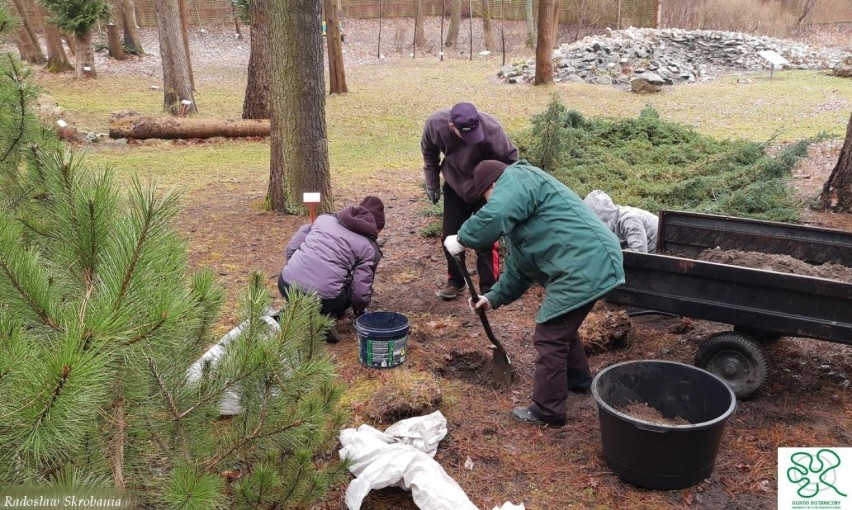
[(456, 211), (561, 363), (332, 307)]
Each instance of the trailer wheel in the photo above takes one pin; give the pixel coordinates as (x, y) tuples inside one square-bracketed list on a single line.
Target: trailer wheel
[(737, 359)]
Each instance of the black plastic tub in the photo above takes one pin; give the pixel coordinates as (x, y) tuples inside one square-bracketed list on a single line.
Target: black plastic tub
[(658, 455)]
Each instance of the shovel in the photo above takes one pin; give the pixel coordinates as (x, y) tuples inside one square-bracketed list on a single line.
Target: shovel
[(501, 366)]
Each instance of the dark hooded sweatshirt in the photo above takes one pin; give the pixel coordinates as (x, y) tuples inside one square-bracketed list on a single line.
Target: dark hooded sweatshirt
[(461, 158), (335, 254)]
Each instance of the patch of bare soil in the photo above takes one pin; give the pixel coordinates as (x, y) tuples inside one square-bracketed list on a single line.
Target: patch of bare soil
[(805, 403)]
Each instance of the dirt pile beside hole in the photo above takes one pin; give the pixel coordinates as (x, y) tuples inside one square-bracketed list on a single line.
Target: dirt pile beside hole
[(605, 330), (777, 263)]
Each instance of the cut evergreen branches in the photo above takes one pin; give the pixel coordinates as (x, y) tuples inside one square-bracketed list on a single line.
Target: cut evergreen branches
[(649, 163)]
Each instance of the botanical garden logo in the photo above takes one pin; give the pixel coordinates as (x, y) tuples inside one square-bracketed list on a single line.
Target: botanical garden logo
[(814, 478)]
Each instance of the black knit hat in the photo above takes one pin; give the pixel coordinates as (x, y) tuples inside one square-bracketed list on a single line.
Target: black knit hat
[(376, 208), (486, 173)]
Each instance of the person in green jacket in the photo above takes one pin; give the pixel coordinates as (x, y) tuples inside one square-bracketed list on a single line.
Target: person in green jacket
[(554, 239)]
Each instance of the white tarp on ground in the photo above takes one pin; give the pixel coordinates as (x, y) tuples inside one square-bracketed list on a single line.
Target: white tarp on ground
[(402, 456)]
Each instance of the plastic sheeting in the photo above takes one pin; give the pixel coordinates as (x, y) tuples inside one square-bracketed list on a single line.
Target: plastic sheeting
[(402, 456)]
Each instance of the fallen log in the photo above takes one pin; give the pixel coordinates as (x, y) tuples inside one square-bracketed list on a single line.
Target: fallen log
[(130, 124)]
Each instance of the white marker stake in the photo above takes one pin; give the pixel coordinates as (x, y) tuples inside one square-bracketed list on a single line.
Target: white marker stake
[(312, 199)]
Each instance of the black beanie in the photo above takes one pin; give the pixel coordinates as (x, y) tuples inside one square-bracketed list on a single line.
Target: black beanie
[(376, 208), (486, 173)]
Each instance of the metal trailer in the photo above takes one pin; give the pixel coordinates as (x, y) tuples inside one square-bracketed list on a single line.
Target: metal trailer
[(761, 305)]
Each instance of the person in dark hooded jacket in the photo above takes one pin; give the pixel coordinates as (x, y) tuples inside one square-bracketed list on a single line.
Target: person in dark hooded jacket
[(336, 257)]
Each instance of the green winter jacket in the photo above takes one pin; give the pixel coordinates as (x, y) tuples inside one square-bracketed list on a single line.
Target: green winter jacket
[(552, 238)]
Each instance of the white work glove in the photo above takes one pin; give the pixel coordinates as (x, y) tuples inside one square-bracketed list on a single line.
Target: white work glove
[(481, 304), (452, 244)]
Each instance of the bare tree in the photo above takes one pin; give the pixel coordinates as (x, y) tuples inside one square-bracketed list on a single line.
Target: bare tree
[(452, 39), (299, 143), (333, 39), (420, 32), (487, 33), (177, 86), (132, 41), (530, 19), (544, 44), (836, 193), (256, 102)]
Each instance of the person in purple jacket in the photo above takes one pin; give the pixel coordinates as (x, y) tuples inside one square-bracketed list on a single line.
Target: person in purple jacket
[(465, 137), (336, 257)]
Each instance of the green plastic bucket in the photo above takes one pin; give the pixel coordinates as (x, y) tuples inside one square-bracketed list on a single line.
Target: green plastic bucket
[(382, 339)]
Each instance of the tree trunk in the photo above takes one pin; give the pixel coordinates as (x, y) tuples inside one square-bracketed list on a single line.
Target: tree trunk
[(130, 124), (256, 102), (184, 31), (557, 12), (544, 44), (487, 34), (84, 65), (336, 72), (132, 42), (177, 85), (530, 19), (420, 38), (455, 23), (116, 50), (25, 46), (27, 37), (57, 60), (299, 142), (836, 194)]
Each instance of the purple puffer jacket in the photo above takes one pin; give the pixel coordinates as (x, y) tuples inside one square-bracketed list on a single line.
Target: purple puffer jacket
[(335, 253)]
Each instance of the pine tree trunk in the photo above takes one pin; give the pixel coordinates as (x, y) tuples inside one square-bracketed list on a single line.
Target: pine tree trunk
[(544, 44), (336, 72), (131, 31), (455, 22), (420, 39), (487, 33), (299, 143), (57, 60), (28, 37), (184, 31), (25, 46), (116, 50), (836, 194), (177, 86), (256, 102), (130, 124), (530, 19), (85, 58)]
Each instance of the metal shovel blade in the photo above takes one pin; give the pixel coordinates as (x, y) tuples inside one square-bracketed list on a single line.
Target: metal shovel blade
[(501, 365)]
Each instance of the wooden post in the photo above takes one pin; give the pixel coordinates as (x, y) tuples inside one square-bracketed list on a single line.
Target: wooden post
[(470, 25), (503, 31), (379, 49), (312, 199), (416, 15), (441, 40)]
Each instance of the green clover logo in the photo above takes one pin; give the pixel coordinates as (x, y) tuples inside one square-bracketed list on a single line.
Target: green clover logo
[(822, 464)]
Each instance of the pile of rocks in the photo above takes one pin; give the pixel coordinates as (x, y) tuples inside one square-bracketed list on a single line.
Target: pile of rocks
[(668, 56)]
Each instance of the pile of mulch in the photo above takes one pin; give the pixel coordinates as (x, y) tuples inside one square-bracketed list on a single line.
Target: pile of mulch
[(777, 263)]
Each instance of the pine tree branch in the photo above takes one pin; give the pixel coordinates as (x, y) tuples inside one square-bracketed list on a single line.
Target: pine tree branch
[(134, 259), (63, 378), (142, 336), (120, 422), (296, 478), (39, 311), (164, 391), (255, 435), (21, 103)]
